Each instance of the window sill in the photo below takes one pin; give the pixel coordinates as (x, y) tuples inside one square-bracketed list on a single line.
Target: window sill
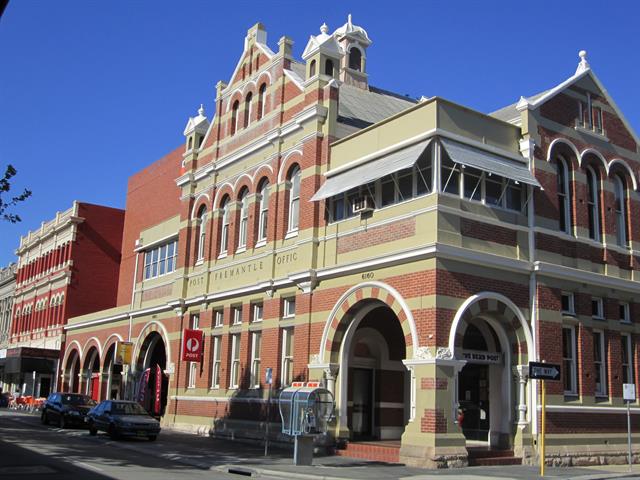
[(261, 243), (199, 262), (571, 397), (222, 255), (291, 234), (288, 317), (600, 319), (241, 249), (593, 133), (217, 326)]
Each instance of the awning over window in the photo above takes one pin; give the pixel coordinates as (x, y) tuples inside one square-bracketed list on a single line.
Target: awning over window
[(370, 171), (473, 157)]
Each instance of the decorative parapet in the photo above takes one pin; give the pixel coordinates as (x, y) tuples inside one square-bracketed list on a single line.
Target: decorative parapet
[(61, 220)]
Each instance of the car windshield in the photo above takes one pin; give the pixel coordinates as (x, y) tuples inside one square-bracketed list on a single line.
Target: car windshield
[(127, 409), (77, 400)]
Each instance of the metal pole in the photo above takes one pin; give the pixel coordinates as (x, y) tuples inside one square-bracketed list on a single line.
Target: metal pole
[(266, 440), (542, 429), (629, 433)]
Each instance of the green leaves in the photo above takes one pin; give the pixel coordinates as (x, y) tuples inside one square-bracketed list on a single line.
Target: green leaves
[(5, 187)]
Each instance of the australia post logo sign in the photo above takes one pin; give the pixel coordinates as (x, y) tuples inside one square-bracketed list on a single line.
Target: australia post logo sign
[(192, 345)]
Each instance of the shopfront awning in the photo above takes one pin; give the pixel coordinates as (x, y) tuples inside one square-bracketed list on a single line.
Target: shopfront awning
[(488, 162), (370, 171)]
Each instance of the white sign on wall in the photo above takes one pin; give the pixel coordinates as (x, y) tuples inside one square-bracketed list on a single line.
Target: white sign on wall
[(475, 356), (629, 392)]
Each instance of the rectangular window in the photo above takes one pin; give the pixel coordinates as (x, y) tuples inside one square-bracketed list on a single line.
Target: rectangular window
[(569, 370), (160, 260), (235, 361), (472, 180), (405, 184), (215, 368), (289, 307), (568, 304), (493, 190), (597, 308), (625, 315), (600, 363), (388, 191), (236, 314), (287, 357), (218, 318), (258, 312), (450, 175), (193, 371), (195, 321), (597, 119), (627, 358), (256, 340)]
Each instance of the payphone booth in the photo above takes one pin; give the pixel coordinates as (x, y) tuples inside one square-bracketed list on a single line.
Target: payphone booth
[(305, 412)]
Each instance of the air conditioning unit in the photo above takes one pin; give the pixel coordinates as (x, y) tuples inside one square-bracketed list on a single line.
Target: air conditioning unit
[(362, 205)]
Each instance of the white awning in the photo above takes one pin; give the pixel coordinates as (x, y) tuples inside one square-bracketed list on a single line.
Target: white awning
[(489, 162), (370, 171)]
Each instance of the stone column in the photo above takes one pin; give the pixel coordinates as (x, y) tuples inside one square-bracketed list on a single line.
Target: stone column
[(522, 374)]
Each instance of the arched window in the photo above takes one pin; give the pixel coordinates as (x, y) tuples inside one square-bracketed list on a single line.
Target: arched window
[(257, 62), (243, 198), (201, 232), (247, 109), (312, 69), (190, 143), (328, 67), (294, 198), (593, 204), (564, 196), (261, 100), (234, 117), (224, 232), (263, 216), (622, 233), (355, 59)]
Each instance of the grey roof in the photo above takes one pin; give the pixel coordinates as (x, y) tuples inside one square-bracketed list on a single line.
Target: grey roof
[(299, 69), (510, 112), (362, 108)]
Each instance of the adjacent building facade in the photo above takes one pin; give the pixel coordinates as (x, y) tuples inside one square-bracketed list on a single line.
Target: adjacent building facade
[(69, 266), (7, 287), (413, 256)]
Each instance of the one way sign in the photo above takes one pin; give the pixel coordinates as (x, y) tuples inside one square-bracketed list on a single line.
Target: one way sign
[(544, 371)]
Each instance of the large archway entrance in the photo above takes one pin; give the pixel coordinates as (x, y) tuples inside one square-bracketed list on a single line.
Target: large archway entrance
[(71, 378), (91, 374), (491, 336), (151, 381), (111, 376)]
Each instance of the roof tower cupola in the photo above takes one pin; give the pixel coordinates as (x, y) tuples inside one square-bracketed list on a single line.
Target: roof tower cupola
[(353, 41)]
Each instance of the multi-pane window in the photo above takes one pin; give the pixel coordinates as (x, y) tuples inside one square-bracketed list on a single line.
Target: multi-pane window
[(202, 218), (597, 308), (569, 364), (593, 204), (257, 312), (567, 303), (264, 211), (160, 260), (564, 196), (262, 100), (235, 361), (627, 358), (236, 315), (256, 340), (600, 363), (234, 117), (625, 315), (216, 362), (195, 321), (247, 110), (218, 318), (193, 371), (287, 356), (289, 307), (226, 214), (620, 210), (450, 176), (589, 117), (294, 199), (244, 218)]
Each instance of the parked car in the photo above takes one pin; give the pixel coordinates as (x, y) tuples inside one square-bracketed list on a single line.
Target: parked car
[(4, 400), (121, 418), (66, 409)]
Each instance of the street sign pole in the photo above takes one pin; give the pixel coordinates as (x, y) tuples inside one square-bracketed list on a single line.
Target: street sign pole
[(542, 427), (269, 381), (543, 371), (629, 433), (629, 395)]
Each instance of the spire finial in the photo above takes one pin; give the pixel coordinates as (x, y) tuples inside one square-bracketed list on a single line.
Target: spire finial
[(324, 28), (201, 110), (583, 65), (349, 20)]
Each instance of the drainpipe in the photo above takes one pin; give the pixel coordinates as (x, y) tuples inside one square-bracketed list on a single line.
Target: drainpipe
[(133, 293)]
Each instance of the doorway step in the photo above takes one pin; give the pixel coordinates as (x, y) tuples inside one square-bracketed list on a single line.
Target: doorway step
[(486, 457), (380, 451)]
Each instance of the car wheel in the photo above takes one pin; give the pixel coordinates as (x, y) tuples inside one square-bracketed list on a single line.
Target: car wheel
[(62, 422), (44, 418), (113, 432), (93, 430), (152, 438)]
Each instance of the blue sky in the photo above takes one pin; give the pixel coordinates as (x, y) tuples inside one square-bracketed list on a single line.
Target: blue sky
[(93, 91)]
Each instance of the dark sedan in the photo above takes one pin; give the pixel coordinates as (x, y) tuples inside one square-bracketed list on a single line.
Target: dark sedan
[(66, 409), (122, 419)]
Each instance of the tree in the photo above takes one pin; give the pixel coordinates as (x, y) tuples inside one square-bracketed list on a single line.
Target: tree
[(5, 187)]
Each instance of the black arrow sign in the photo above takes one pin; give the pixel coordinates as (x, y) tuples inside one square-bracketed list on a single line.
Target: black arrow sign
[(544, 371)]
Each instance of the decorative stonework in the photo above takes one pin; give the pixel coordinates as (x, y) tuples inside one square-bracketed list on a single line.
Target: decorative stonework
[(444, 353)]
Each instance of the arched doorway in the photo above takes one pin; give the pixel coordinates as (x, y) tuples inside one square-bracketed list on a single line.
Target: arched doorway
[(71, 379), (111, 376), (491, 336), (151, 381), (374, 383), (91, 373)]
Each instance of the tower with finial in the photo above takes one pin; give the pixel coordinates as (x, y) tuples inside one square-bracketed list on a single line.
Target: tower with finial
[(353, 41), (194, 133), (322, 55)]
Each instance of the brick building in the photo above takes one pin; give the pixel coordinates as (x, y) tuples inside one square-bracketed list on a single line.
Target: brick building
[(413, 256), (7, 287), (67, 267)]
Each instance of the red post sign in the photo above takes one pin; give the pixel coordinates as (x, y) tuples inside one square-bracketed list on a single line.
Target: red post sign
[(192, 345)]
